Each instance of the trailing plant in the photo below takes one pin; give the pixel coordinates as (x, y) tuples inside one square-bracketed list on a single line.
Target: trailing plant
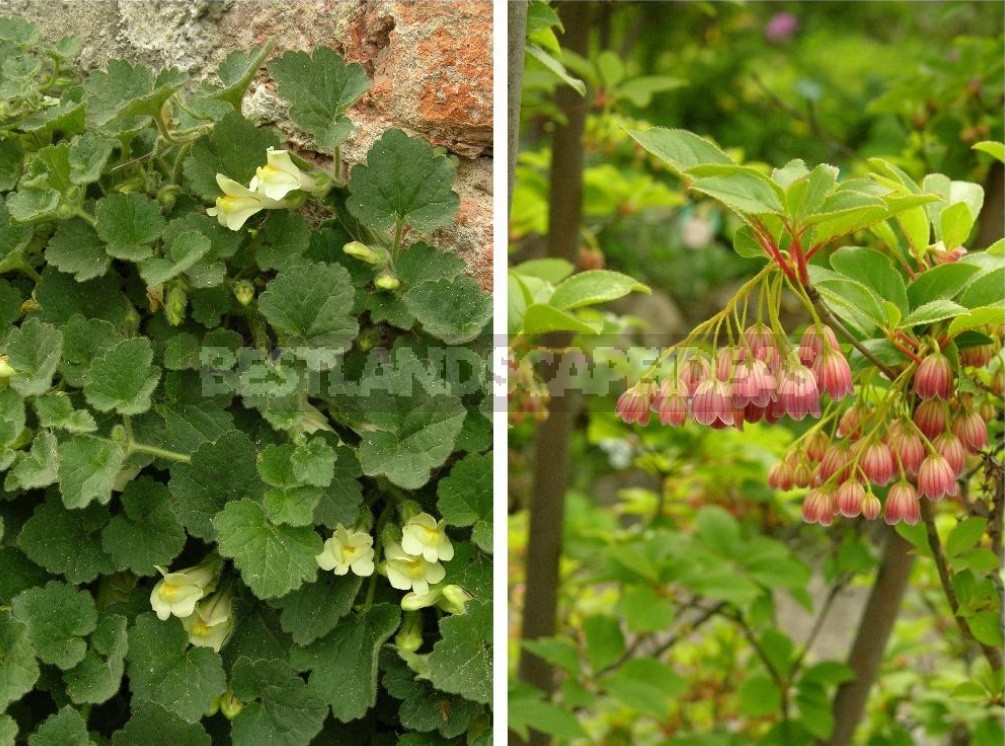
[(243, 396)]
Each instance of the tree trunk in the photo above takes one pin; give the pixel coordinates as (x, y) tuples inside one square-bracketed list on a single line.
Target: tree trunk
[(516, 23), (870, 641), (552, 467)]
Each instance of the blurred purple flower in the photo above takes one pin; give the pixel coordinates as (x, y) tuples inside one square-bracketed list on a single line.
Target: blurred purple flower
[(780, 27)]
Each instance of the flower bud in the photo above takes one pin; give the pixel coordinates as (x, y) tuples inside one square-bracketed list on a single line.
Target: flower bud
[(168, 196), (936, 478), (230, 705), (6, 371), (850, 498), (977, 357), (814, 341), (174, 305), (934, 377), (781, 476), (877, 463), (409, 637), (907, 447), (930, 417), (997, 384), (871, 506), (214, 706), (693, 371), (833, 374), (902, 504), (798, 393), (364, 253), (712, 403), (212, 623), (818, 507), (635, 404), (413, 601), (816, 445), (850, 424), (834, 462), (802, 476), (972, 431), (672, 407), (387, 281), (244, 291)]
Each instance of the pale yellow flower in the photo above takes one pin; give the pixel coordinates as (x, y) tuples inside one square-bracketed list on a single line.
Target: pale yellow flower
[(424, 535), (238, 203), (178, 592), (212, 622), (347, 550), (409, 572), (280, 176)]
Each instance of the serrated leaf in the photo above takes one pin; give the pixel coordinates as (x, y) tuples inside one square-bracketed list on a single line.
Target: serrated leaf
[(67, 542), (14, 239), (421, 441), (941, 281), (220, 472), (87, 469), (126, 90), (403, 182), (986, 290), (235, 148), (19, 671), (58, 617), (423, 708), (454, 311), (680, 149), (343, 664), (151, 723), (465, 498), (237, 71), (185, 250), (320, 88), (46, 180), (743, 191), (89, 153), (932, 312), (279, 706), (128, 224), (422, 262), (122, 379), (62, 298), (965, 535), (313, 610), (33, 351), (76, 249), (98, 677), (461, 662), (64, 728), (273, 559), (146, 533), (165, 670), (36, 468), (311, 303), (874, 270), (976, 318)]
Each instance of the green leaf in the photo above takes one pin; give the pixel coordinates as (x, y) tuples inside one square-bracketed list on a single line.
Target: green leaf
[(126, 90), (87, 469), (146, 532), (320, 89), (987, 628), (36, 468), (806, 195), (312, 303), (424, 708), (313, 462), (14, 239), (123, 379), (421, 441), (681, 149), (273, 559), (343, 664), (165, 670), (76, 249), (542, 319), (62, 298), (89, 153), (743, 191), (941, 281), (19, 671), (874, 270), (65, 728), (829, 673), (644, 610), (604, 641), (759, 696), (151, 724), (220, 472), (237, 71), (556, 651), (98, 677), (235, 148), (957, 221), (313, 610), (45, 183), (550, 270), (593, 287), (977, 318), (965, 535), (986, 290), (930, 313), (645, 685), (454, 311), (423, 263), (465, 498), (128, 224), (719, 531), (58, 616), (403, 182), (33, 351), (995, 149), (555, 67), (745, 244), (461, 661), (67, 542), (186, 249), (279, 707)]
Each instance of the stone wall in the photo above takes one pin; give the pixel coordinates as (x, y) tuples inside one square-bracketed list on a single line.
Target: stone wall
[(430, 62)]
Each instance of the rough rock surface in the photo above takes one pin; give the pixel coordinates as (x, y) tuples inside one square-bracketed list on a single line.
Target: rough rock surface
[(430, 63)]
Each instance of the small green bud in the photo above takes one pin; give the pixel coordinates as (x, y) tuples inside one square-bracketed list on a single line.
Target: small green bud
[(119, 434), (387, 281), (408, 509), (135, 184), (244, 291), (409, 637), (214, 707), (6, 371), (168, 196), (174, 305), (363, 252), (454, 599), (368, 339), (230, 705)]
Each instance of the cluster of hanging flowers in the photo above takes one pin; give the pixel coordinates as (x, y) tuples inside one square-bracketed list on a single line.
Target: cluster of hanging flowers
[(763, 378)]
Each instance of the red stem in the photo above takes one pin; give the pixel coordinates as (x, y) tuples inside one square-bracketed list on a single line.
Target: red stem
[(906, 351)]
